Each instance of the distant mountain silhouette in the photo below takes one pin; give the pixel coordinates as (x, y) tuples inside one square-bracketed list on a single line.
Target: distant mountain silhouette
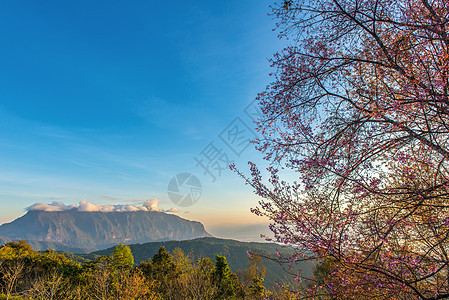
[(99, 230)]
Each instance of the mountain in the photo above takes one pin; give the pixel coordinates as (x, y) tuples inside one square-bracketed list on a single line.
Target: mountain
[(235, 252), (99, 230)]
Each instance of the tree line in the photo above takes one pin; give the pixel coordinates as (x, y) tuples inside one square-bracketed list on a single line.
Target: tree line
[(28, 274)]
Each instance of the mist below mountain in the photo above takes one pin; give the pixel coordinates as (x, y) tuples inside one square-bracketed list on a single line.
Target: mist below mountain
[(241, 232)]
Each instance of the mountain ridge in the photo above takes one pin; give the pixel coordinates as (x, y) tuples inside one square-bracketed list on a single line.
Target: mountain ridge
[(99, 230), (236, 253)]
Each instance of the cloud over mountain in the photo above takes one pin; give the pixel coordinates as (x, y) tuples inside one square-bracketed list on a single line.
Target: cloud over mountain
[(93, 226), (148, 205)]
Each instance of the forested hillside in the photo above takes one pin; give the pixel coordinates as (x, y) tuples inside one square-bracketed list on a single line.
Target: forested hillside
[(28, 274), (236, 253)]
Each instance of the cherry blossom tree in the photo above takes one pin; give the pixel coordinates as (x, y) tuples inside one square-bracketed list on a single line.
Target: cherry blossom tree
[(358, 109)]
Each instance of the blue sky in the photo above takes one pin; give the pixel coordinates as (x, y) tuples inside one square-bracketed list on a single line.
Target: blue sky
[(108, 100)]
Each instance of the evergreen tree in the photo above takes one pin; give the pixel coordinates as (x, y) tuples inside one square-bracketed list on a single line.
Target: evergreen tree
[(165, 272), (122, 257), (228, 285)]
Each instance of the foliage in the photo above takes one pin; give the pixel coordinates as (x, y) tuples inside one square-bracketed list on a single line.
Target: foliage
[(222, 278), (27, 274), (4, 297), (235, 252), (253, 277), (358, 110), (122, 257), (23, 269), (16, 249)]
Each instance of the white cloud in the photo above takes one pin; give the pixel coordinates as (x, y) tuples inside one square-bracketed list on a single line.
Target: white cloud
[(54, 206), (148, 205), (152, 205)]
